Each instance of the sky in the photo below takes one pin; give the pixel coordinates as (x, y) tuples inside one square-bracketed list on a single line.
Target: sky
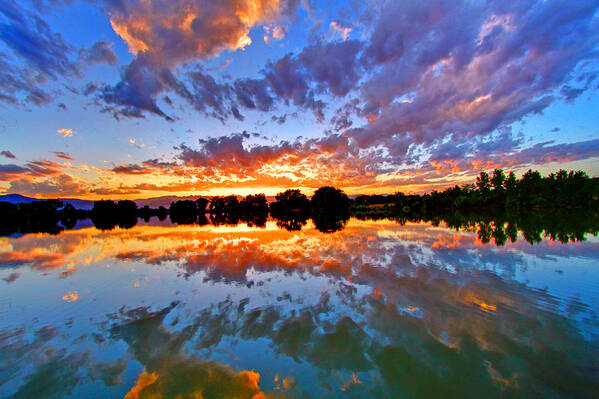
[(144, 98)]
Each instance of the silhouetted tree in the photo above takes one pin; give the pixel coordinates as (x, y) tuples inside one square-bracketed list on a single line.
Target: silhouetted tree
[(184, 212), (228, 205), (330, 209), (127, 214), (531, 194), (161, 213), (201, 203), (10, 218), (254, 204), (104, 214), (290, 201)]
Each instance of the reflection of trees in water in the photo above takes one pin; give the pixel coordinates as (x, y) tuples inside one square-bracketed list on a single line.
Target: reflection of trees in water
[(255, 220), (330, 224), (293, 222), (563, 227), (224, 220), (33, 217), (499, 228)]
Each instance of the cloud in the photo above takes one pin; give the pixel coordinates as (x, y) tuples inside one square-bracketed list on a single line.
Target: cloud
[(222, 65), (136, 144), (37, 54), (497, 66), (99, 53), (10, 171), (334, 67), (167, 34), (505, 153), (131, 169), (32, 169), (174, 32), (231, 160), (63, 155), (403, 93), (66, 132), (8, 154), (339, 30), (50, 187), (31, 38), (272, 33)]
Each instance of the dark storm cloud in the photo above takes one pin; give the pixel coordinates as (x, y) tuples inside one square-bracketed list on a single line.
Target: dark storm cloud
[(8, 154), (253, 94)]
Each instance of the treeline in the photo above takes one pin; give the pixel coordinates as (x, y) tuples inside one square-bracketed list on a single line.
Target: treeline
[(497, 196), (564, 226), (52, 217), (36, 217), (493, 193), (329, 208)]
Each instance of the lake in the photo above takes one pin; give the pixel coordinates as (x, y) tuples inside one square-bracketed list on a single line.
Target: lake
[(377, 309)]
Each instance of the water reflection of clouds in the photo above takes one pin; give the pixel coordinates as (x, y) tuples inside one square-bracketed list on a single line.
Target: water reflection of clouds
[(228, 252), (374, 310)]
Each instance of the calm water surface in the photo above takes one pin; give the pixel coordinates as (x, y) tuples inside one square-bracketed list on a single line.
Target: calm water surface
[(376, 310)]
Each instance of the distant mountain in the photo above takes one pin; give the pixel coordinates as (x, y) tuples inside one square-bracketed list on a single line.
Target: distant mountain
[(87, 204), (18, 198)]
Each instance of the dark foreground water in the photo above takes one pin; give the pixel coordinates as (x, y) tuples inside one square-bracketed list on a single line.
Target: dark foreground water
[(376, 310)]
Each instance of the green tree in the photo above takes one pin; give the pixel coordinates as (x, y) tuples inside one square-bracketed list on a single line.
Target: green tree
[(483, 182), (511, 182), (498, 179)]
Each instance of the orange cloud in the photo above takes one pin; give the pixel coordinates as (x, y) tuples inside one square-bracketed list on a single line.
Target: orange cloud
[(179, 31), (66, 132)]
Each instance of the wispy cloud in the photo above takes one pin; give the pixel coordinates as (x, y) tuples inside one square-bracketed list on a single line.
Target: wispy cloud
[(8, 154), (66, 132), (63, 155)]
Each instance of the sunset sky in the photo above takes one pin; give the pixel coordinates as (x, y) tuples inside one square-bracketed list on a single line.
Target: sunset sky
[(143, 98)]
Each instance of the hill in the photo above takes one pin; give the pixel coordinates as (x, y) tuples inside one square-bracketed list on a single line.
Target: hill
[(18, 198)]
